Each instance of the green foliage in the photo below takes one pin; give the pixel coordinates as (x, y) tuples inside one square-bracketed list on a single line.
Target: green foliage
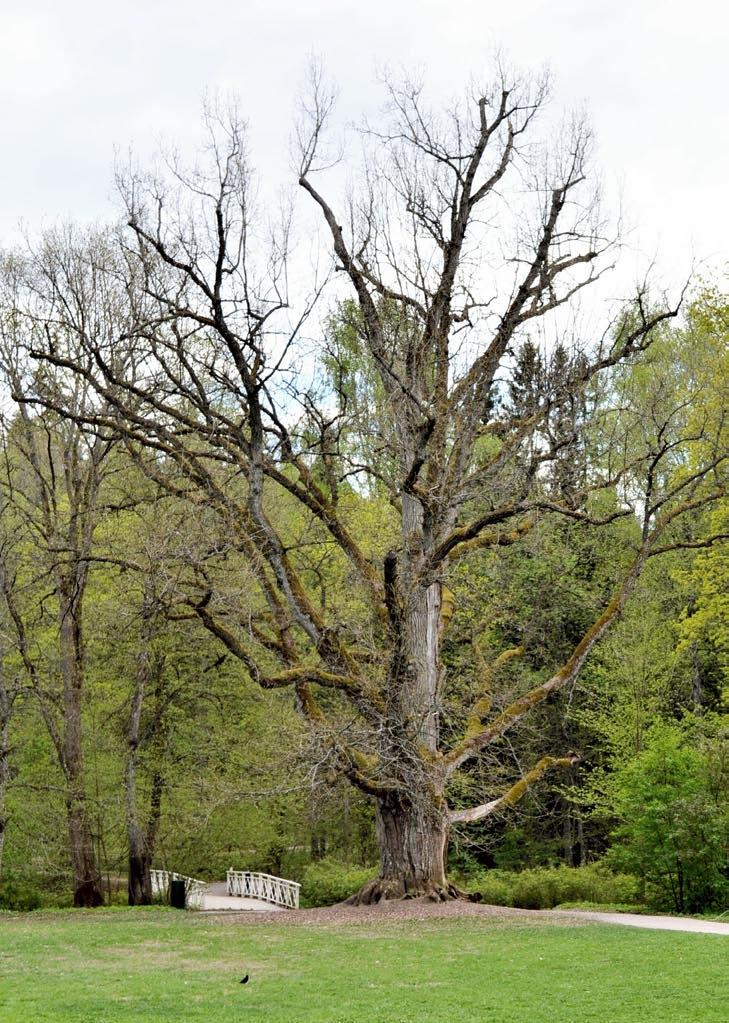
[(329, 881), (634, 679), (20, 894), (673, 805), (521, 847), (547, 887), (704, 628), (23, 893)]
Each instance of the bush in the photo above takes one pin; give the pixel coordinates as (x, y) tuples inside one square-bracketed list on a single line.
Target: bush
[(329, 881), (547, 887), (21, 895), (493, 887)]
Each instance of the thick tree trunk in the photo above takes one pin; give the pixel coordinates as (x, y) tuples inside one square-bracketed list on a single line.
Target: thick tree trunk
[(412, 823), (412, 839), (412, 834), (418, 678), (419, 695)]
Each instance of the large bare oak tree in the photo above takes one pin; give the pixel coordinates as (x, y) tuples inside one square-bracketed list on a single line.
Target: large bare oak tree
[(460, 235)]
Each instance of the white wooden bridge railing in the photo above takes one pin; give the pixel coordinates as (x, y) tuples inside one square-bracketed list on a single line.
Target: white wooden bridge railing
[(252, 885), (194, 889)]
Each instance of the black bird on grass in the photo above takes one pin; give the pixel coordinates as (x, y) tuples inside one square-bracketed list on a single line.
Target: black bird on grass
[(245, 979)]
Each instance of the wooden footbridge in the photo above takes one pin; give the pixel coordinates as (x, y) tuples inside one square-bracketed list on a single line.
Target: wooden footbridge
[(242, 890)]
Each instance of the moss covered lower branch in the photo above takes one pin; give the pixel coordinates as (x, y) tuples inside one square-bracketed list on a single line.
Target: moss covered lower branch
[(475, 739), (512, 796)]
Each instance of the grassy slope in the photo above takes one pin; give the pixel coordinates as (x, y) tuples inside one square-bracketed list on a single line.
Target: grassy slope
[(159, 966)]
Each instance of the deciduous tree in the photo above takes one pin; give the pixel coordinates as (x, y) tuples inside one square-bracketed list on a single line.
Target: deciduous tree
[(461, 235)]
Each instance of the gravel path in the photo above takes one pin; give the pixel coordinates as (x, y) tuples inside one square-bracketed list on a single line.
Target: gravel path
[(424, 909), (660, 923)]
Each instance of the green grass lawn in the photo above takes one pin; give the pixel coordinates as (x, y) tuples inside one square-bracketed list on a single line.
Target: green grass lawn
[(159, 965)]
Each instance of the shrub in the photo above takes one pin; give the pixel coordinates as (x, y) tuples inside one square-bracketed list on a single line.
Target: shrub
[(493, 887), (21, 895), (547, 887), (329, 881)]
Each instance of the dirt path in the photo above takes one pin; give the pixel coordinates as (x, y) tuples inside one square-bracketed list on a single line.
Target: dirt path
[(421, 909)]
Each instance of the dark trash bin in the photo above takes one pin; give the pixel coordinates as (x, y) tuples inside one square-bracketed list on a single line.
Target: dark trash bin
[(177, 894)]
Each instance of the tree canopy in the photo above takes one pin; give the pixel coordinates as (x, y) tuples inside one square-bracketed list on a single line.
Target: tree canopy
[(416, 514)]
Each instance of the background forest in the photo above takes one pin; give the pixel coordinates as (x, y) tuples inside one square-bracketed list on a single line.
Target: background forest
[(396, 558), (114, 698)]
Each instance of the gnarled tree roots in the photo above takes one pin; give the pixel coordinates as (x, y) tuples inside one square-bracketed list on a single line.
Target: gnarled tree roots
[(383, 889)]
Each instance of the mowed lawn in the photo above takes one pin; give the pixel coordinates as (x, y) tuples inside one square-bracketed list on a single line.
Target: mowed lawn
[(159, 965)]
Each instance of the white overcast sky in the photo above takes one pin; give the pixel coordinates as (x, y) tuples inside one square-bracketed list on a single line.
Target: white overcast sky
[(79, 79)]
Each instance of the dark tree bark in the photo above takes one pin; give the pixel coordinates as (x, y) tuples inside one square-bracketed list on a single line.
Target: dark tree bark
[(10, 684), (412, 834), (87, 890), (142, 845), (141, 834), (7, 698)]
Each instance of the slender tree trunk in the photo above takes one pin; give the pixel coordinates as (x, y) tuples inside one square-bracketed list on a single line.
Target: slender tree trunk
[(140, 864), (5, 711), (697, 689), (142, 843), (580, 843), (139, 857), (142, 838), (88, 890), (139, 886)]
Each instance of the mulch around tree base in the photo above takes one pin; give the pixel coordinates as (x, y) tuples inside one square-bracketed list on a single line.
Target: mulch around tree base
[(404, 909)]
